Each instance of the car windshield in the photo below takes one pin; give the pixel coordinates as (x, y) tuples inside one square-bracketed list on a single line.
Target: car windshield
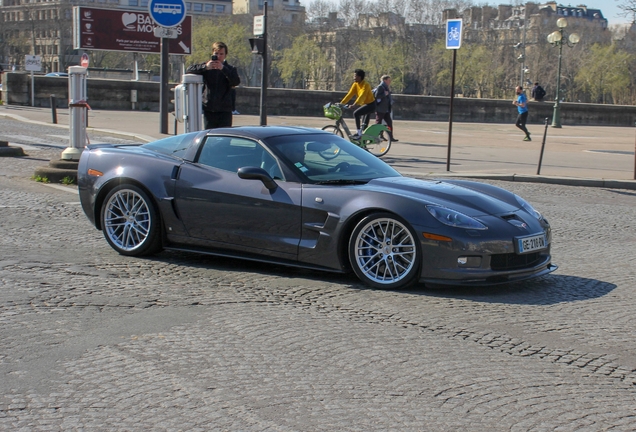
[(175, 145), (325, 158)]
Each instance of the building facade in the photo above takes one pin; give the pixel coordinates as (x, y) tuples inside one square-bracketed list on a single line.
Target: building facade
[(291, 11)]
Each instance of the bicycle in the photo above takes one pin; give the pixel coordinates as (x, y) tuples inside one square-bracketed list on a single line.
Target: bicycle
[(371, 139)]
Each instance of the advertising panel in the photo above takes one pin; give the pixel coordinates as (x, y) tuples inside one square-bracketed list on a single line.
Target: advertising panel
[(125, 30)]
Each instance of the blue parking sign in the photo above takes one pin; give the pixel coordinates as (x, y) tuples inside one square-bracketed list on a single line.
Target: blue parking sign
[(453, 33), (167, 13)]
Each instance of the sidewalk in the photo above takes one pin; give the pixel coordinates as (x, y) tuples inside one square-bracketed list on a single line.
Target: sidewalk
[(581, 155)]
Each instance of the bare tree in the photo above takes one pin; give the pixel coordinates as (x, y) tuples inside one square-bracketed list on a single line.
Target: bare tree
[(319, 9), (629, 9)]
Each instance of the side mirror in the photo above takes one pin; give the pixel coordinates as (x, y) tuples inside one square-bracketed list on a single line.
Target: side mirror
[(254, 173)]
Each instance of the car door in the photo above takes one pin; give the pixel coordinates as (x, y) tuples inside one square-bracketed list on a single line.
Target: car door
[(225, 211)]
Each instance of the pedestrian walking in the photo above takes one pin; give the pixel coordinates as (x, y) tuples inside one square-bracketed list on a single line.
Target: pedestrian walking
[(384, 104), (537, 92), (522, 107), (219, 77)]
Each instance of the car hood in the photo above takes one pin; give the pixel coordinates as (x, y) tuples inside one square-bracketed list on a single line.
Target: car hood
[(469, 201)]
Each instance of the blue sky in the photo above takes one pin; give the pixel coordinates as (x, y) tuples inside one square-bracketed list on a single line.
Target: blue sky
[(608, 7)]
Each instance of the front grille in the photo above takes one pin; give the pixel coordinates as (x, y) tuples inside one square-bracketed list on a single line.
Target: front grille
[(513, 261)]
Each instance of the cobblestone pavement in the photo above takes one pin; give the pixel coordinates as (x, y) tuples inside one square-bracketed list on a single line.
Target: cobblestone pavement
[(91, 340)]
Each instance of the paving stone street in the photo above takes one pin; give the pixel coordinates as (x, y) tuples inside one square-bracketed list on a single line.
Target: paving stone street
[(92, 340)]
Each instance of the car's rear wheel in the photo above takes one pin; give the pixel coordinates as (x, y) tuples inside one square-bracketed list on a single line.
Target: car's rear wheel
[(130, 221), (384, 252)]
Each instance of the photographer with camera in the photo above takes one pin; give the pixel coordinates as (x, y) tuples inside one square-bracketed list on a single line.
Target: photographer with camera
[(219, 77)]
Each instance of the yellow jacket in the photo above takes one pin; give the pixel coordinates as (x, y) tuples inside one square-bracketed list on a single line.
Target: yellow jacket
[(363, 90)]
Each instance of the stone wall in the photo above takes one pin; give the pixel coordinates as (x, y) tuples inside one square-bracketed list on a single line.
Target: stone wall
[(116, 95)]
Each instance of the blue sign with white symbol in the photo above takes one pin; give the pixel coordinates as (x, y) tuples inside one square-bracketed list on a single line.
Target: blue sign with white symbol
[(167, 13), (453, 33)]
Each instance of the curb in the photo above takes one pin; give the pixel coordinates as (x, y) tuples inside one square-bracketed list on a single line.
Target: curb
[(58, 170), (10, 151), (139, 137)]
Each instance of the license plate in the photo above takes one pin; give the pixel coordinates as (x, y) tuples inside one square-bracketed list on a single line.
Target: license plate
[(531, 243)]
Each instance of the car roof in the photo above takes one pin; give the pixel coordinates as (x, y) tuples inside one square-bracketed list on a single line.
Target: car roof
[(263, 132)]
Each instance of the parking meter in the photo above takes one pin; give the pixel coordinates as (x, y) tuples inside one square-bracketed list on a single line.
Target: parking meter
[(187, 102)]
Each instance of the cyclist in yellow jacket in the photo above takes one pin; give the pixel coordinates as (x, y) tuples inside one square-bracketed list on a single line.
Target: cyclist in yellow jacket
[(364, 103)]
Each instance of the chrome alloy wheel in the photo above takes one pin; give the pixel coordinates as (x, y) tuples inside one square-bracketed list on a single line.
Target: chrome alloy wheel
[(385, 251), (127, 220)]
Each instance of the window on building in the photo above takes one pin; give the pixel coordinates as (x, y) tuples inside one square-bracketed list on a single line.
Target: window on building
[(144, 3), (197, 7), (220, 9), (208, 8), (189, 6), (133, 2)]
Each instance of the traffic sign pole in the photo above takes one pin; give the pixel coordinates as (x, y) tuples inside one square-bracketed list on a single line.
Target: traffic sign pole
[(450, 114), (453, 42), (163, 97), (168, 14), (264, 73)]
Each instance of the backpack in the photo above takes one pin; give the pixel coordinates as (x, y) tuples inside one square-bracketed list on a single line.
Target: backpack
[(379, 90), (539, 93)]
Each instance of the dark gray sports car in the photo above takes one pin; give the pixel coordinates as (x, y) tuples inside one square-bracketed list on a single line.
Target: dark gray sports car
[(309, 198)]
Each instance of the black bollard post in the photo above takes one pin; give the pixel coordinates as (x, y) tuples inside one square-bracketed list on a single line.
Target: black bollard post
[(545, 133), (53, 110)]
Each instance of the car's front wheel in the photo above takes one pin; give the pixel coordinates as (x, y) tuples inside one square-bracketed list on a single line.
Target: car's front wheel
[(130, 221), (384, 252)]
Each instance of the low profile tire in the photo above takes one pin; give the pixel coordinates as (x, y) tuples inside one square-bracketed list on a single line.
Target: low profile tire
[(130, 222), (384, 252)]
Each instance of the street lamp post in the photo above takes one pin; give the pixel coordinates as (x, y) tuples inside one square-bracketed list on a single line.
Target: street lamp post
[(558, 38)]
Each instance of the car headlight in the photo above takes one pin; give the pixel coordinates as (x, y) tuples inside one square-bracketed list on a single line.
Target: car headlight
[(454, 218), (527, 207)]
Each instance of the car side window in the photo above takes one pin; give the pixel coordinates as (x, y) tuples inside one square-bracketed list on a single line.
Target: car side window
[(230, 153)]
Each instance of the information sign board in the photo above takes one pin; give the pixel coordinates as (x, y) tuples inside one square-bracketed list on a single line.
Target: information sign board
[(259, 25), (453, 33), (125, 30), (33, 63)]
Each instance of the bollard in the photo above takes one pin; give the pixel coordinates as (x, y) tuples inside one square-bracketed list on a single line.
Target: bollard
[(78, 110), (635, 157), (187, 102), (545, 133), (53, 110)]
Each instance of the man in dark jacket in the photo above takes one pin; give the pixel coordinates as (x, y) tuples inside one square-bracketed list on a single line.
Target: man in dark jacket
[(537, 92), (384, 100), (219, 77)]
